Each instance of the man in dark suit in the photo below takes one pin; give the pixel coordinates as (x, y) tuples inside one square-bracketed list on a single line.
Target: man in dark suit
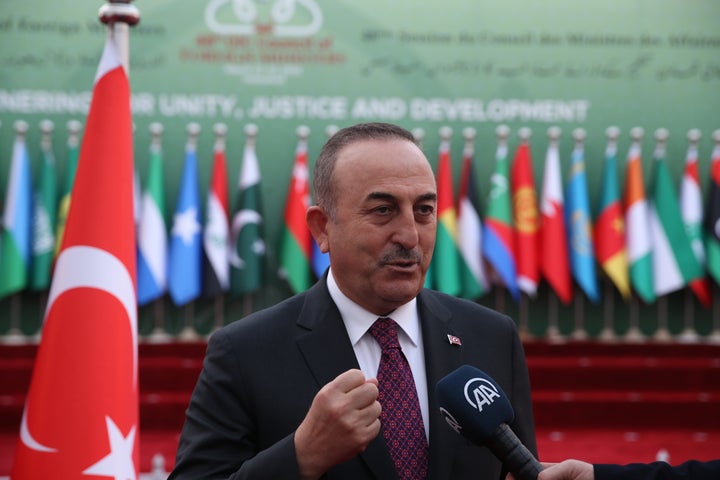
[(290, 391)]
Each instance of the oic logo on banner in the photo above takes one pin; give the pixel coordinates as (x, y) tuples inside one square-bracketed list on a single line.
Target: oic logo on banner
[(287, 18)]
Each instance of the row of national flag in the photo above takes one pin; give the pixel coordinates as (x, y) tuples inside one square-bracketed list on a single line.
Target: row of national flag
[(650, 241), (645, 242)]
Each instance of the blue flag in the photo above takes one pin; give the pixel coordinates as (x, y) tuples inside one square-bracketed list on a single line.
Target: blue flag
[(320, 260), (579, 227), (185, 255)]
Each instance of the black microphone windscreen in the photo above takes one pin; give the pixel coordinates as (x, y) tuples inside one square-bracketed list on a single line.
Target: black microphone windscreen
[(473, 404)]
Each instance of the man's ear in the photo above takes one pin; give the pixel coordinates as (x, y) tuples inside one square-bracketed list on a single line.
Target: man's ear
[(317, 220)]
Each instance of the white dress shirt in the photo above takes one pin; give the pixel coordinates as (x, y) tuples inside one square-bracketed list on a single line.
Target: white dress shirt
[(358, 321)]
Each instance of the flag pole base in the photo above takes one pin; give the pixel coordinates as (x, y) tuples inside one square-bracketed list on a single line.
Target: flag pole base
[(714, 337), (553, 335), (688, 336), (607, 335), (188, 334), (14, 337), (579, 334), (634, 335), (159, 335), (662, 335)]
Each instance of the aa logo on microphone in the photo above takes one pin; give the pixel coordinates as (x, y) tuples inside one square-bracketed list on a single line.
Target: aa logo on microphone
[(480, 392)]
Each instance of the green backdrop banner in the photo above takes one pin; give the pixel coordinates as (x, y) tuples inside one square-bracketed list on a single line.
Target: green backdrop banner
[(458, 63)]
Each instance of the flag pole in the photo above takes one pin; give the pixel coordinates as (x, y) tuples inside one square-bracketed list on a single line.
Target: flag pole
[(251, 132), (662, 334), (607, 334), (579, 332), (714, 336), (634, 334), (119, 16), (220, 130), (15, 335), (188, 332), (158, 334)]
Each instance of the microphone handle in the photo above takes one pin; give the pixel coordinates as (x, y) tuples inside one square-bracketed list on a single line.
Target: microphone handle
[(505, 445)]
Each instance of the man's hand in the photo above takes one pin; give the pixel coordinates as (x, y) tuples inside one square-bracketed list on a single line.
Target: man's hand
[(343, 418), (567, 470)]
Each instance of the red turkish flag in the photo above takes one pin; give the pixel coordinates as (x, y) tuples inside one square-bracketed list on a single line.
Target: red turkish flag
[(81, 412)]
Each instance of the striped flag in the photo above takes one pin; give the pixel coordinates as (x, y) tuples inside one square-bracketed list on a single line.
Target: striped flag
[(497, 240), (152, 231), (578, 219), (247, 259), (474, 278), (674, 263), (637, 229), (609, 229), (16, 233), (446, 258), (295, 238), (711, 223), (554, 261), (81, 411), (525, 219), (44, 214), (73, 145), (216, 233), (691, 209), (185, 255)]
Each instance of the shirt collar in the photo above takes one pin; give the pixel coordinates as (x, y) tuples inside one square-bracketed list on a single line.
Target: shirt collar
[(358, 320)]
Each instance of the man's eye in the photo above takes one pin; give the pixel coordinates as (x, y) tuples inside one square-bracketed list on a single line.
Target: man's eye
[(426, 209)]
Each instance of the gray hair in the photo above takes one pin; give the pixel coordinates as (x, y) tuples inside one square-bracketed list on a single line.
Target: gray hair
[(324, 193)]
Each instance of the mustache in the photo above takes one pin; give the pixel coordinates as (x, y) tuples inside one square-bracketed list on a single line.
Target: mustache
[(401, 255)]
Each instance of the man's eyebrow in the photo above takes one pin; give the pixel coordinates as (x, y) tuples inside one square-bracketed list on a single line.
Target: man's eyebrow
[(427, 197), (380, 196)]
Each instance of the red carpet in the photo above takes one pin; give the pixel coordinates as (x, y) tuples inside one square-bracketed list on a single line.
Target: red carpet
[(597, 402)]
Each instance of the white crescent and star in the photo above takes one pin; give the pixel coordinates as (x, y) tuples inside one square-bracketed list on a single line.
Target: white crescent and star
[(90, 267), (240, 219)]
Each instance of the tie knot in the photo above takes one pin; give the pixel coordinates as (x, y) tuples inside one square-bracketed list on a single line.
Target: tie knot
[(384, 330)]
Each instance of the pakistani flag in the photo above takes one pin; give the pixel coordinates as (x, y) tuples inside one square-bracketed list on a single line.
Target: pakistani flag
[(247, 259), (44, 214)]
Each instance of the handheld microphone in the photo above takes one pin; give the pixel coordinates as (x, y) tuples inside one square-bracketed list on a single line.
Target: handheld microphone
[(477, 408)]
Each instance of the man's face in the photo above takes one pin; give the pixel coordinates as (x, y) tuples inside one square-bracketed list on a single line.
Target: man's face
[(382, 238)]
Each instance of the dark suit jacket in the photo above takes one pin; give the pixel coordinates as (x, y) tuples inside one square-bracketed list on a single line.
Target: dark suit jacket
[(262, 372), (691, 470)]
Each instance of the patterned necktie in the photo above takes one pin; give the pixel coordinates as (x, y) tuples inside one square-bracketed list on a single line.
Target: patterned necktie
[(401, 420)]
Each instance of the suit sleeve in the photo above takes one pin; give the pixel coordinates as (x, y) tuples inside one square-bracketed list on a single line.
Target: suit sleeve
[(691, 470), (524, 423), (218, 437)]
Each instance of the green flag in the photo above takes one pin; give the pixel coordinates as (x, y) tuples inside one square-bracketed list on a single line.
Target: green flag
[(247, 261), (44, 215), (674, 263)]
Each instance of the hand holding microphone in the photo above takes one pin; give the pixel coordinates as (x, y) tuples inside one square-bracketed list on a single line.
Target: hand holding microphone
[(477, 408)]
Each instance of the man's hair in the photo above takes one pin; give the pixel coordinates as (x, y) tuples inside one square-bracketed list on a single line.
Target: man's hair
[(323, 187)]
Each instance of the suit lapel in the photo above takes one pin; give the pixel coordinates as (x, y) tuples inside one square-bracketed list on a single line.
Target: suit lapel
[(326, 347), (441, 358)]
